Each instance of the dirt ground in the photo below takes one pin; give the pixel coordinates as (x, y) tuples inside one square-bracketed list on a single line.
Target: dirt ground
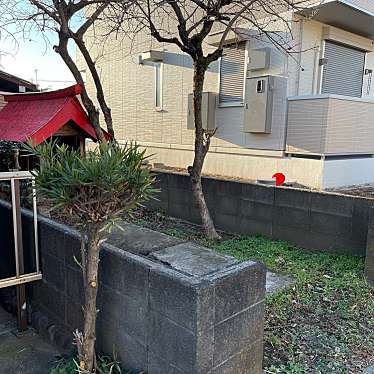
[(364, 190)]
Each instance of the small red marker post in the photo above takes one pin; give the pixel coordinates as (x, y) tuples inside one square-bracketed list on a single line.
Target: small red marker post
[(279, 178)]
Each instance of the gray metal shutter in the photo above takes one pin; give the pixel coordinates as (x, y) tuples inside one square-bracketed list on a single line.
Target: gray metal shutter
[(232, 73), (343, 70)]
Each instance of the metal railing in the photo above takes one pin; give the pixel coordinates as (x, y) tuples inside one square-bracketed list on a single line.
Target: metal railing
[(21, 277)]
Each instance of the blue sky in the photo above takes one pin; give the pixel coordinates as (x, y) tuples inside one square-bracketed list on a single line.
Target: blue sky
[(22, 60)]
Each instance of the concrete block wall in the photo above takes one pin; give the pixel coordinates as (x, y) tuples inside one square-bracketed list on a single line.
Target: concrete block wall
[(181, 315), (310, 219), (369, 261)]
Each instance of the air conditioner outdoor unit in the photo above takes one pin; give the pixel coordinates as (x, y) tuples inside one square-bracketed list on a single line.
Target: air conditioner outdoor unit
[(208, 111)]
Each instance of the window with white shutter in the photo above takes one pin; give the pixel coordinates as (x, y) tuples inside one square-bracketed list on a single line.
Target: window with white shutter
[(343, 70), (232, 72)]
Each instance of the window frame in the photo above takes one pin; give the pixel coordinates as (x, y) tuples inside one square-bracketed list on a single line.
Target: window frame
[(234, 103), (158, 80), (322, 67)]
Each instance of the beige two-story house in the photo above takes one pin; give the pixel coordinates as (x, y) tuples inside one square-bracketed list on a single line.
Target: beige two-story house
[(308, 114)]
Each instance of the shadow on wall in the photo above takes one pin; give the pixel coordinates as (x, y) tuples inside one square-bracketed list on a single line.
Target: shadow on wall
[(7, 263), (183, 61)]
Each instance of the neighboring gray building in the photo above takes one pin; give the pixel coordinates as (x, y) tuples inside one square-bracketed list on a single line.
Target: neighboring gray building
[(309, 115), (11, 83)]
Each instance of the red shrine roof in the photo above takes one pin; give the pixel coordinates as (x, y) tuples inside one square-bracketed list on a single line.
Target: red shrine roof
[(37, 116)]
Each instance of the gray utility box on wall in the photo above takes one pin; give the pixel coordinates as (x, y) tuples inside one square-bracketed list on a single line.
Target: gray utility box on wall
[(261, 102), (208, 111), (259, 59)]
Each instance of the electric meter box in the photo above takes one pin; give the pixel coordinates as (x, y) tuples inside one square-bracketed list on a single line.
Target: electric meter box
[(261, 102), (208, 111)]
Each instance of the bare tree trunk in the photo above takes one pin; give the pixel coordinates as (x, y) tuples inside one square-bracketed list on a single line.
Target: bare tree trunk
[(90, 308), (93, 113), (202, 142), (99, 88)]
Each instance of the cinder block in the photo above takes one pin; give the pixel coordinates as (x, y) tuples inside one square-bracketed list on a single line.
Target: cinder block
[(239, 289), (292, 216), (249, 226), (248, 361), (227, 222), (238, 333), (256, 210), (360, 219), (74, 315), (331, 224), (50, 239), (369, 269), (179, 182), (224, 187), (52, 299), (228, 205), (290, 197), (258, 193), (371, 219), (160, 203), (112, 340), (69, 248), (161, 181), (157, 365), (349, 246), (370, 243), (121, 271), (182, 300), (54, 272), (334, 204), (128, 313), (74, 285), (298, 236), (179, 211), (179, 197), (173, 342)]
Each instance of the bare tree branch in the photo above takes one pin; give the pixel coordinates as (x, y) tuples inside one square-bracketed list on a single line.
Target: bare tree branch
[(191, 23)]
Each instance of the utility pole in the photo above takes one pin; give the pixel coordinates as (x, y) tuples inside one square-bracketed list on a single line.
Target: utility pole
[(36, 78)]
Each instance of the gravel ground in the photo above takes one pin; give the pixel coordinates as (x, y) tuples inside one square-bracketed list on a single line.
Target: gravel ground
[(364, 190)]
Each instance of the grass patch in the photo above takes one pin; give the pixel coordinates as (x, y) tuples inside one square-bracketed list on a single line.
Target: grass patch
[(324, 323), (321, 324)]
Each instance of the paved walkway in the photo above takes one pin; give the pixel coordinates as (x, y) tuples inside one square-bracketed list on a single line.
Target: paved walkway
[(24, 353)]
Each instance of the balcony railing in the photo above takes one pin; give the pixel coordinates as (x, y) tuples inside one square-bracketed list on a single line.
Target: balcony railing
[(330, 125)]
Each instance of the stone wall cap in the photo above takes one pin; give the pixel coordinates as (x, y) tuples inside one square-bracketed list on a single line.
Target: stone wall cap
[(193, 259), (136, 239)]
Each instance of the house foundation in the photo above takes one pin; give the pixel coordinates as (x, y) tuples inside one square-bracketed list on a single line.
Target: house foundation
[(312, 171)]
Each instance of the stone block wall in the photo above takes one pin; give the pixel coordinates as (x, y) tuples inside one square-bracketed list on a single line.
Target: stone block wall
[(179, 309), (310, 219), (369, 261)]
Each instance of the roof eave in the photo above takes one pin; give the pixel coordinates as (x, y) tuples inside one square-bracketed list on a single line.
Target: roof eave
[(344, 15)]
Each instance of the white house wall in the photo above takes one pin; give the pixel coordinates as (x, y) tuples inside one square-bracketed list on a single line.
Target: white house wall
[(368, 89), (130, 91), (309, 58)]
